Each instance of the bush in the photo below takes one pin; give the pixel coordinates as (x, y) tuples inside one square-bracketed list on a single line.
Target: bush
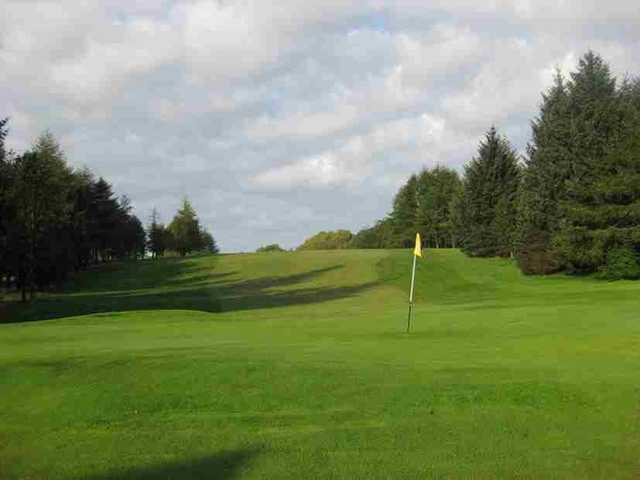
[(622, 263), (274, 247), (536, 255), (328, 241)]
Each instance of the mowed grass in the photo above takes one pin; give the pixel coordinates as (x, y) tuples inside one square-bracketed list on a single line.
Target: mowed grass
[(296, 365)]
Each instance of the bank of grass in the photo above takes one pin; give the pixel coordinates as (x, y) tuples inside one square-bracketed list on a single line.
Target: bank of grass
[(295, 365)]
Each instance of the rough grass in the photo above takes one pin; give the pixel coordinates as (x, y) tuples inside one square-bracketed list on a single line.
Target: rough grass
[(295, 365)]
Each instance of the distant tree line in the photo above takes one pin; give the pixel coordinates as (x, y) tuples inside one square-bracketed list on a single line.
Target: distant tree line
[(55, 220), (274, 247), (572, 203)]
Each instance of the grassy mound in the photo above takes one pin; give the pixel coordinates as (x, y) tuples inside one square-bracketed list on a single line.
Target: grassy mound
[(295, 365)]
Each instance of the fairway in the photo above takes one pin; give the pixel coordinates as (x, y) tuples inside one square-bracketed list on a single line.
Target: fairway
[(296, 365)]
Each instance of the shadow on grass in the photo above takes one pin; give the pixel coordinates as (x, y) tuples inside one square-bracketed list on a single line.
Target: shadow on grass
[(218, 294), (222, 466)]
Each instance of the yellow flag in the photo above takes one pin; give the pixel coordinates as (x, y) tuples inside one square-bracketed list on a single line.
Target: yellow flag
[(418, 250)]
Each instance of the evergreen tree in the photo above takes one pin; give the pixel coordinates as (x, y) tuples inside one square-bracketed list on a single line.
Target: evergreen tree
[(208, 243), (435, 190), (6, 181), (602, 136), (490, 190), (103, 215), (378, 236), (547, 170), (458, 217), (40, 195), (157, 236), (404, 214), (185, 230)]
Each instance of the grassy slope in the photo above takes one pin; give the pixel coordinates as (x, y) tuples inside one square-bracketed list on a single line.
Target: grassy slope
[(295, 366)]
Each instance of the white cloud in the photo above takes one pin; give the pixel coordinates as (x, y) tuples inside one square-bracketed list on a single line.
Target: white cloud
[(249, 103), (357, 157)]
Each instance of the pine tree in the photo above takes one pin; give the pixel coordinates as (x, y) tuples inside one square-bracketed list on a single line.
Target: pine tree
[(6, 180), (40, 194), (547, 170), (103, 214), (403, 216), (157, 236), (209, 244), (435, 190), (185, 230), (602, 136), (490, 190)]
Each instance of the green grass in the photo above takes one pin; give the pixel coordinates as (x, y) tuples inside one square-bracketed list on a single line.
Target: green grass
[(295, 365)]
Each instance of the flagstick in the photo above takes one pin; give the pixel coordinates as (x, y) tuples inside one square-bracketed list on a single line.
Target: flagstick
[(413, 279)]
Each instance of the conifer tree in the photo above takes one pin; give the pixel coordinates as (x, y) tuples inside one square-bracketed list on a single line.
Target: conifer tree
[(157, 235), (435, 189), (185, 230), (547, 170), (40, 196), (403, 216), (490, 190), (603, 130)]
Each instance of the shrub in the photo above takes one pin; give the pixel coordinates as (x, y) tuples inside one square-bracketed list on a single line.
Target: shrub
[(622, 263), (328, 241), (274, 247), (536, 255)]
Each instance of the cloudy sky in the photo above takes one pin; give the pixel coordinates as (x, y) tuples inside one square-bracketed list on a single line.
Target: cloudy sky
[(280, 119)]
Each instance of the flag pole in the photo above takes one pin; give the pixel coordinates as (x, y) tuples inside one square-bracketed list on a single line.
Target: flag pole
[(413, 279)]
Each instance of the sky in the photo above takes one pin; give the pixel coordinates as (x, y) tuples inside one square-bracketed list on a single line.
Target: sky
[(281, 119)]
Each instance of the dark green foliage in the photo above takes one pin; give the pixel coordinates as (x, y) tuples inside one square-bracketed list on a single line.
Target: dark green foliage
[(490, 192), (6, 180), (185, 235), (327, 241), (378, 236), (158, 236), (622, 264), (185, 230), (547, 169), (54, 220), (601, 211), (436, 188), (274, 247), (40, 194), (535, 257), (403, 218), (208, 243)]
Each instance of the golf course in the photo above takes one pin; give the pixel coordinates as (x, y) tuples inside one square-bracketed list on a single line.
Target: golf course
[(298, 365)]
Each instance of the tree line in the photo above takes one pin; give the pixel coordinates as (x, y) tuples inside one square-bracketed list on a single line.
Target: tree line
[(570, 203), (55, 220)]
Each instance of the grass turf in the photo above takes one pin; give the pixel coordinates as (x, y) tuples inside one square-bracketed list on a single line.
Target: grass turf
[(295, 365)]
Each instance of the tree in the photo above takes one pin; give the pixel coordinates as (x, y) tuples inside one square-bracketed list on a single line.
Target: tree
[(208, 243), (327, 241), (378, 236), (490, 192), (544, 185), (54, 220), (185, 230), (40, 195), (601, 210), (103, 215), (404, 214), (435, 190), (6, 181), (157, 236), (273, 247)]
